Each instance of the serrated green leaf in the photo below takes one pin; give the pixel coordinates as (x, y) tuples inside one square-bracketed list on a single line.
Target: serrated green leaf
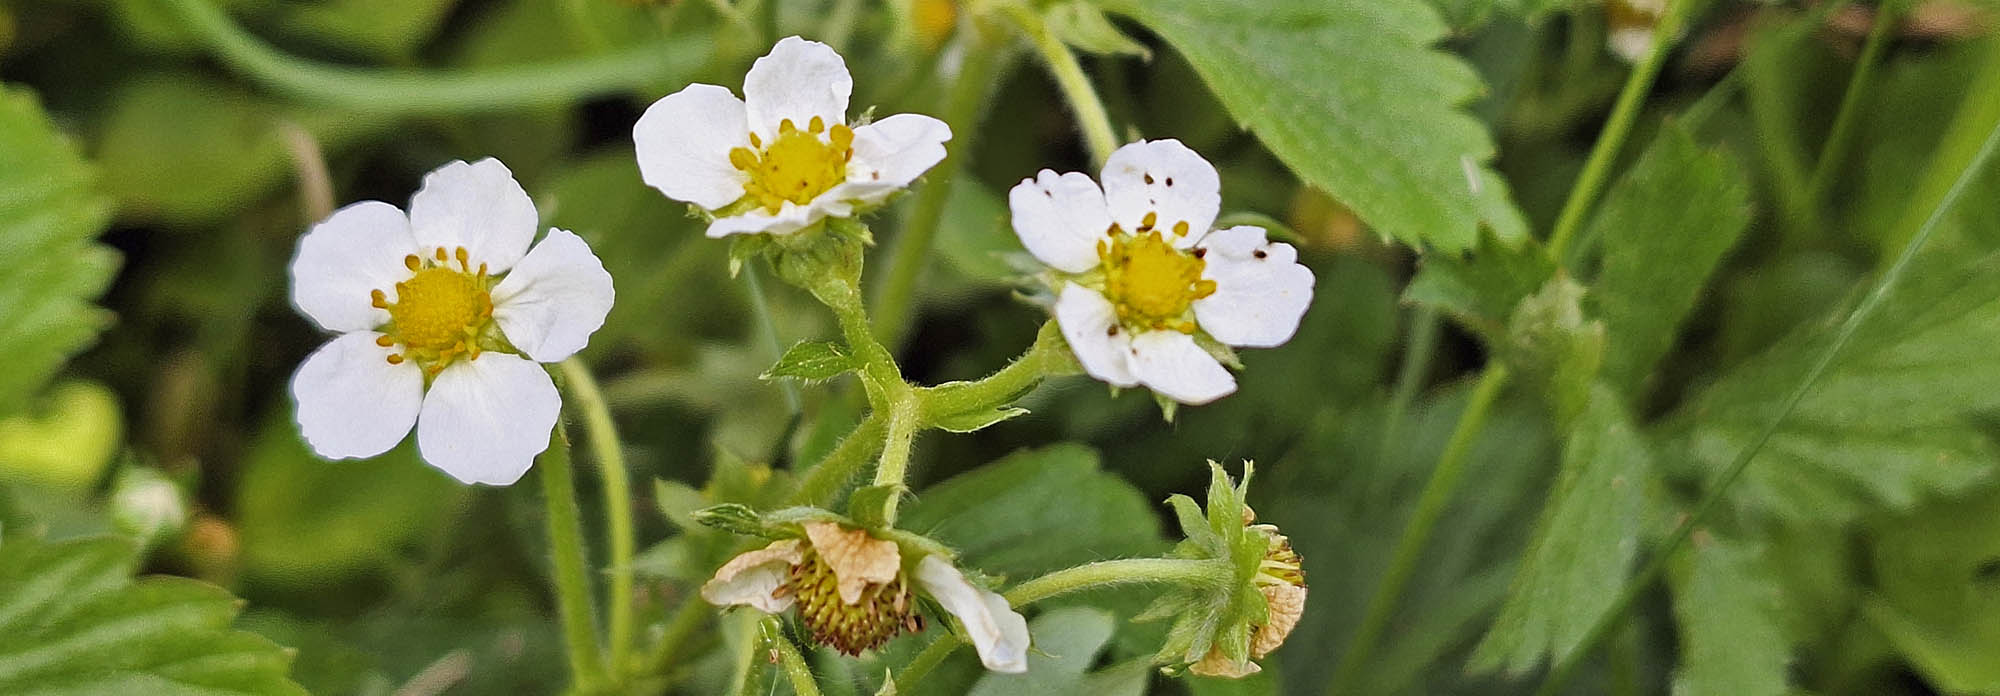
[(812, 361), (977, 420), (1664, 227), (1583, 545), (1036, 511), (1731, 616), (50, 264), (1334, 88), (1480, 289), (1897, 418), (74, 622)]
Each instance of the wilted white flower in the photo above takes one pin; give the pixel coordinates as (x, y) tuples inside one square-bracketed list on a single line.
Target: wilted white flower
[(1144, 275), (443, 314), (853, 594), (783, 157)]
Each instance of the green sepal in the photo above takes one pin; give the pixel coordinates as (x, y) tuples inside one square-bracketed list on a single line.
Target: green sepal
[(971, 421), (811, 362)]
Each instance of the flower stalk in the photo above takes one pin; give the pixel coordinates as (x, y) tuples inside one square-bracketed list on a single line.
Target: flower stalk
[(1091, 116), (565, 530), (606, 449)]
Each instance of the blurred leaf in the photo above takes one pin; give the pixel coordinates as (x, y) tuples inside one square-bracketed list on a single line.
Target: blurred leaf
[(1939, 602), (1085, 27), (1334, 89), (306, 521), (66, 442), (1550, 342), (1899, 417), (1036, 511), (1479, 289), (812, 361), (1664, 227), (186, 149), (73, 621), (1583, 546), (1066, 642), (51, 266), (1730, 612), (388, 29)]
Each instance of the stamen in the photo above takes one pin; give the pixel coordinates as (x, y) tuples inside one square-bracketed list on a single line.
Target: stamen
[(816, 126), (1181, 229), (385, 340), (785, 126), (755, 141), (742, 158), (378, 299), (440, 255), (465, 263), (412, 262), (1146, 225), (395, 358)]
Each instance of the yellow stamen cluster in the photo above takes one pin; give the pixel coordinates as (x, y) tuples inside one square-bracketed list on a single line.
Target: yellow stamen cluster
[(439, 312), (797, 166), (1151, 283), (884, 609)]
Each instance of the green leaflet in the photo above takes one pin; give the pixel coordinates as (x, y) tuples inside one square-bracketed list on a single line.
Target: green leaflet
[(1664, 228), (1583, 546), (812, 361), (50, 264), (73, 621), (1335, 88), (1730, 610)]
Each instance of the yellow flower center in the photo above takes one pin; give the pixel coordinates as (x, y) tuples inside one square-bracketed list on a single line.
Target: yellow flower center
[(439, 312), (1151, 283), (798, 166)]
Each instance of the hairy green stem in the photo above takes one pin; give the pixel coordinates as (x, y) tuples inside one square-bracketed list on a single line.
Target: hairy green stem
[(821, 482), (565, 529), (964, 108), (1833, 153), (410, 92), (1212, 574), (1417, 532), (1048, 356), (1959, 165), (1076, 87), (605, 447), (905, 419), (1611, 140), (789, 660)]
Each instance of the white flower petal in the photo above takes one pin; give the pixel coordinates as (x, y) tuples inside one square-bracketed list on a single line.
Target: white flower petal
[(352, 402), (485, 419), (1170, 363), (558, 295), (754, 577), (1060, 219), (683, 141), (998, 633), (356, 250), (797, 80), (478, 206), (896, 150), (1090, 324), (790, 218), (1261, 290), (1164, 177)]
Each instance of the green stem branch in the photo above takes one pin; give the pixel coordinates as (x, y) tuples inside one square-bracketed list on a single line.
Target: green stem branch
[(606, 449), (1959, 165), (1624, 112), (1048, 356), (1416, 534), (964, 107), (1212, 574), (820, 483), (1076, 88), (565, 529), (408, 92)]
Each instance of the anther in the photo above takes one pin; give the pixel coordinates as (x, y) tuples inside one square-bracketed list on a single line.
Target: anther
[(1149, 179), (1148, 222), (395, 358), (742, 158), (1181, 228), (384, 341), (440, 255), (817, 125), (464, 260), (412, 262), (755, 141), (380, 300), (786, 126)]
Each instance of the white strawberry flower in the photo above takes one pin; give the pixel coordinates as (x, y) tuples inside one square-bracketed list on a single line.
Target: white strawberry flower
[(443, 314), (1141, 274), (783, 157)]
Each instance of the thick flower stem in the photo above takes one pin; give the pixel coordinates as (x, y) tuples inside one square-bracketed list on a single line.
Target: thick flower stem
[(1068, 73), (565, 528), (819, 483), (605, 447), (1210, 574), (1417, 533), (1049, 356), (789, 660), (412, 92), (904, 422), (964, 108)]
